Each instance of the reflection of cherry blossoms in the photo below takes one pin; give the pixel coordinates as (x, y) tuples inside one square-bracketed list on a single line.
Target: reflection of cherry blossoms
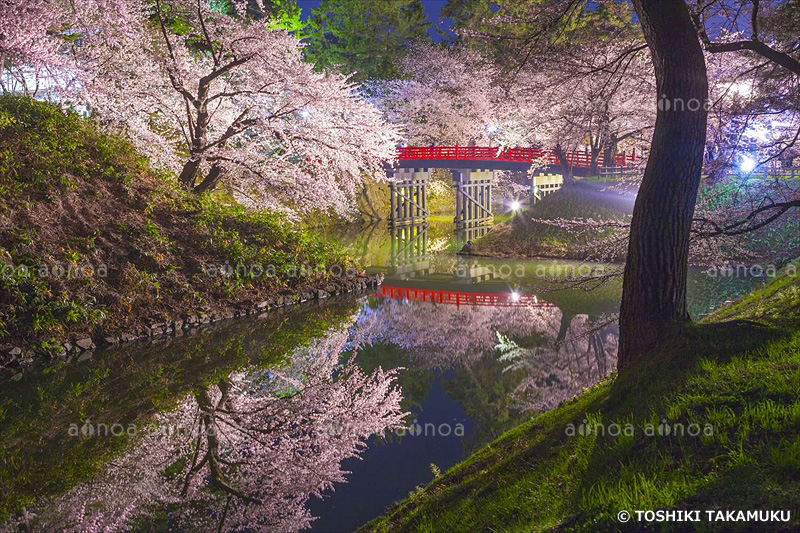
[(245, 452), (556, 372), (439, 335), (558, 355)]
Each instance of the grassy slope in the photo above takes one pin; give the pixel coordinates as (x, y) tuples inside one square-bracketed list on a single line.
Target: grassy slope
[(72, 197), (738, 371), (522, 237), (592, 199)]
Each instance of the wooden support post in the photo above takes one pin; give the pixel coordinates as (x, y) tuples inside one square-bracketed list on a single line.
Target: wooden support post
[(408, 204), (392, 209), (491, 185)]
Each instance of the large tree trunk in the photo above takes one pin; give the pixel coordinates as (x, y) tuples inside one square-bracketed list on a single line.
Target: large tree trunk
[(566, 168), (654, 285), (190, 171), (610, 151), (594, 169), (211, 180)]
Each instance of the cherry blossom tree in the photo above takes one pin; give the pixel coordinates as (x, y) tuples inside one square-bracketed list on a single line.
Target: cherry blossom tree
[(244, 452), (556, 372), (207, 90), (754, 112), (447, 335), (24, 41), (38, 39), (215, 95), (572, 352), (584, 97), (450, 95)]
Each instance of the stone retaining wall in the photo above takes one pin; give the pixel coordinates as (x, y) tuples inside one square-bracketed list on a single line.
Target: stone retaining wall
[(13, 361)]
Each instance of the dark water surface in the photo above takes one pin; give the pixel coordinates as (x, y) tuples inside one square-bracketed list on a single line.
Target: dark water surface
[(483, 345)]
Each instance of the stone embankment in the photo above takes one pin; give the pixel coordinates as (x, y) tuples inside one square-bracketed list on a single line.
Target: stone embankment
[(13, 361)]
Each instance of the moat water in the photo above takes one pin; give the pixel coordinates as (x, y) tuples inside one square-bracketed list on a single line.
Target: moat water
[(481, 345)]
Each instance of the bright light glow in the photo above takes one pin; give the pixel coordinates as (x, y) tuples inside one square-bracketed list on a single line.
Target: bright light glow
[(741, 88), (304, 113), (747, 164), (514, 296), (491, 128), (515, 205)]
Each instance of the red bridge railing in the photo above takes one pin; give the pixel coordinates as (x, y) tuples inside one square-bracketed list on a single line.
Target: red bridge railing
[(579, 159), (458, 298)]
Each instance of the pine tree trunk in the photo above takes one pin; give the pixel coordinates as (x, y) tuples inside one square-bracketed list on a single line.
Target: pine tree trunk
[(654, 284)]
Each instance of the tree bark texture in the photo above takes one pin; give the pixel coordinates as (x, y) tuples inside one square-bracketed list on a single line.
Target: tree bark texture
[(610, 151), (566, 168), (654, 283)]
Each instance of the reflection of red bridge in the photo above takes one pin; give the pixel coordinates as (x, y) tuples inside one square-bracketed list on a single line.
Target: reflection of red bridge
[(578, 159), (459, 298)]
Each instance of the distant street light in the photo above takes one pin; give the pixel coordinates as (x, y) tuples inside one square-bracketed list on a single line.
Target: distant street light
[(748, 164), (516, 205)]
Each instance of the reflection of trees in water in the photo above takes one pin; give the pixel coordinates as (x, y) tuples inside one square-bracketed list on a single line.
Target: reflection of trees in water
[(555, 356), (558, 371), (440, 336), (244, 452)]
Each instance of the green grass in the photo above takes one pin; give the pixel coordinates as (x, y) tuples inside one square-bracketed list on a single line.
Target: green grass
[(519, 236), (775, 303), (735, 376), (74, 197), (600, 179)]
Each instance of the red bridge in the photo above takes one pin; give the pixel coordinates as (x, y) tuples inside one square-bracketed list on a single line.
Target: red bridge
[(523, 156), (459, 298)]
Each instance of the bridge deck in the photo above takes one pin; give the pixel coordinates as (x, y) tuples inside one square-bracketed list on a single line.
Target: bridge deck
[(461, 163), (458, 296), (511, 158)]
